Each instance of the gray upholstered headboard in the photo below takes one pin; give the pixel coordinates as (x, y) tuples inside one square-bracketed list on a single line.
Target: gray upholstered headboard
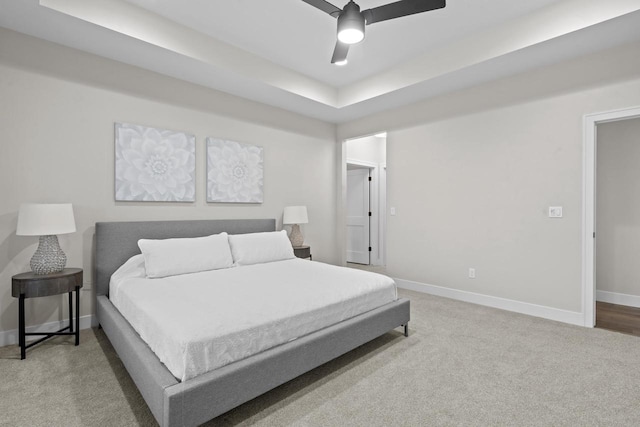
[(116, 242)]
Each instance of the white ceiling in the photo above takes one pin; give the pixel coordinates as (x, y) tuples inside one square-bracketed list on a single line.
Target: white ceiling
[(278, 52), (265, 28)]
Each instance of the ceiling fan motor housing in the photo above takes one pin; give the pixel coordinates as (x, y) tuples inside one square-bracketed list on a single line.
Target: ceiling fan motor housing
[(351, 20), (351, 24)]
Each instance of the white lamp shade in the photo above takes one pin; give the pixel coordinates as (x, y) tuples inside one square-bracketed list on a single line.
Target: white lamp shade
[(37, 219), (295, 215)]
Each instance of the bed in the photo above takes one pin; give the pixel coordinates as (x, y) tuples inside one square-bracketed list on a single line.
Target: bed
[(207, 395)]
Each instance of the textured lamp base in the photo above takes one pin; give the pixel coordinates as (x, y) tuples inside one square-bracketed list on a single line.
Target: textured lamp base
[(48, 258), (296, 237)]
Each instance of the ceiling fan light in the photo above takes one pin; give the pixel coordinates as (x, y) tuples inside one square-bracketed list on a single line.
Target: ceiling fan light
[(341, 63), (351, 24), (350, 36)]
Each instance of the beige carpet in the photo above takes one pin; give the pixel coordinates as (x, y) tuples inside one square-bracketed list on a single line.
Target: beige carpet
[(463, 365)]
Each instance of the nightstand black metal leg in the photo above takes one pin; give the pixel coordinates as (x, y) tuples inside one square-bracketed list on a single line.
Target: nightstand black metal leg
[(21, 331), (77, 315), (70, 312)]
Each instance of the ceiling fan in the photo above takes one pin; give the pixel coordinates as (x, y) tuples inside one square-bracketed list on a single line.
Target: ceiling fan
[(351, 20)]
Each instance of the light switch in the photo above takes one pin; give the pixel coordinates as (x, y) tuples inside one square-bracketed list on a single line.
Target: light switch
[(393, 211), (555, 211)]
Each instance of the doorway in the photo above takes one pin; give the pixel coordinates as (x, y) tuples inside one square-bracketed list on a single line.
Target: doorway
[(591, 122), (617, 223), (365, 202)]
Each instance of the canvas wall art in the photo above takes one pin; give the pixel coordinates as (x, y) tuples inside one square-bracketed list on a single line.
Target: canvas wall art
[(234, 172), (154, 165)]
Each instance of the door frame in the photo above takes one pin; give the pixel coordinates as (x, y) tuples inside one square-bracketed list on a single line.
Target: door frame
[(590, 123), (376, 236)]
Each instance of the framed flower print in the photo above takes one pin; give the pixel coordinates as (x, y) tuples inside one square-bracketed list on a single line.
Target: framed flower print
[(154, 165), (234, 172)]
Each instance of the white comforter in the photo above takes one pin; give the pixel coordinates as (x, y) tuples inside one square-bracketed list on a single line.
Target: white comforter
[(202, 321)]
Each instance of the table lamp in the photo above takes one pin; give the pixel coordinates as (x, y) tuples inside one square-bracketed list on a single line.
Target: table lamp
[(46, 221), (295, 215)]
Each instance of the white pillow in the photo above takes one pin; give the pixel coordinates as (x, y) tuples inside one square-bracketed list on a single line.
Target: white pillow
[(255, 248), (170, 257)]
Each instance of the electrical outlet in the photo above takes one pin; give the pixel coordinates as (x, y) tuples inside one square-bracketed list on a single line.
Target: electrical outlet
[(472, 273), (393, 211)]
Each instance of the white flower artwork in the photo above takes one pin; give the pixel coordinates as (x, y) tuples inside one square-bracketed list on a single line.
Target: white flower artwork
[(234, 172), (154, 165)]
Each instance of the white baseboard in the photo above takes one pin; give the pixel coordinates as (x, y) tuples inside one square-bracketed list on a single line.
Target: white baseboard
[(616, 298), (572, 317), (11, 337)]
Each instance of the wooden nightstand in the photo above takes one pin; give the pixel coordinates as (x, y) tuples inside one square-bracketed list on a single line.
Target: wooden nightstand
[(31, 285), (302, 252)]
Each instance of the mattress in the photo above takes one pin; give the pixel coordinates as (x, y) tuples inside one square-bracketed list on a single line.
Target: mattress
[(202, 321)]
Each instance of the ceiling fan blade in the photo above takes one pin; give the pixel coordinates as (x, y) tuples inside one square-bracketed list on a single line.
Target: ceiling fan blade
[(325, 6), (340, 52), (401, 8)]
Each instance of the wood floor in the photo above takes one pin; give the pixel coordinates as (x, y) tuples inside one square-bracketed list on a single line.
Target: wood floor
[(619, 318)]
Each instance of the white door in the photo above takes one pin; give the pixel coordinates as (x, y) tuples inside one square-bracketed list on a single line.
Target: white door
[(358, 216)]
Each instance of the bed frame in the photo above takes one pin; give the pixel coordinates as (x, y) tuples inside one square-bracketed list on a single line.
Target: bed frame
[(193, 402)]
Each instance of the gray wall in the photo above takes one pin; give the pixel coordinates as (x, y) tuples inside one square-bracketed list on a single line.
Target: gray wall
[(472, 175), (57, 112), (618, 207), (370, 149)]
